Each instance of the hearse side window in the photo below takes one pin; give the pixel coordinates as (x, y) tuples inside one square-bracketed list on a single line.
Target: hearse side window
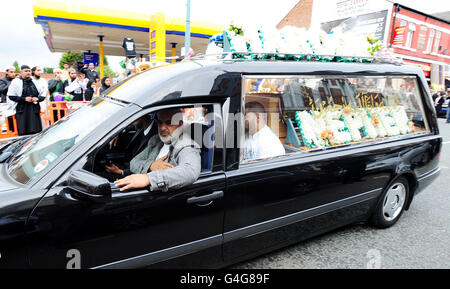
[(307, 113), (134, 149)]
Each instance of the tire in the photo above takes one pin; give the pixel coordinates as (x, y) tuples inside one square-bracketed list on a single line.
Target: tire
[(391, 205)]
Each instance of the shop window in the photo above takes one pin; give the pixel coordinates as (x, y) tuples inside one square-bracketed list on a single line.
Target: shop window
[(310, 113), (436, 42), (422, 38), (410, 36), (430, 40)]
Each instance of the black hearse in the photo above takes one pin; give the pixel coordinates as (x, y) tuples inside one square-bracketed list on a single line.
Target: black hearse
[(360, 141)]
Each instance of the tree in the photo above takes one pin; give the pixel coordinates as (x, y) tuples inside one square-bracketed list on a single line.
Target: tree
[(105, 60), (107, 71), (71, 59), (48, 70), (16, 65)]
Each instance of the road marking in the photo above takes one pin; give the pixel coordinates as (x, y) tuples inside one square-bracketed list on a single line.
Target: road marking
[(446, 142)]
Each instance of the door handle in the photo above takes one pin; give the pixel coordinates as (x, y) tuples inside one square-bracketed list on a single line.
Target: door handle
[(205, 198)]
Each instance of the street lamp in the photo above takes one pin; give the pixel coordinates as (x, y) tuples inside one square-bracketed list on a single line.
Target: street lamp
[(187, 36)]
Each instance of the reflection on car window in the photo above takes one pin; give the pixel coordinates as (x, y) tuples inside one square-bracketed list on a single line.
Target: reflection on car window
[(260, 141), (45, 148)]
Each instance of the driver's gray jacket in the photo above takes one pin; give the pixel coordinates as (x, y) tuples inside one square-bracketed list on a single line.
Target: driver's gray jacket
[(184, 155)]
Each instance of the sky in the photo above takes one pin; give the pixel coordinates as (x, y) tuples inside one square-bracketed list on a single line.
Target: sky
[(23, 40)]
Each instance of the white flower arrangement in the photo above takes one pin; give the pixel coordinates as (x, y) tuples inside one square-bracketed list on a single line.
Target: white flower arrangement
[(330, 127), (337, 127), (296, 41), (213, 50), (308, 128), (376, 121), (354, 124), (293, 40), (253, 38), (388, 122), (238, 43), (367, 122), (319, 121), (401, 119)]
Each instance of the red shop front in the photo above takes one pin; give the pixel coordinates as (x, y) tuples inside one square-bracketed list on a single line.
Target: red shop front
[(426, 67)]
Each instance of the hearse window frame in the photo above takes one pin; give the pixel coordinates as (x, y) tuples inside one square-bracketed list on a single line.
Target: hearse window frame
[(299, 154), (82, 160)]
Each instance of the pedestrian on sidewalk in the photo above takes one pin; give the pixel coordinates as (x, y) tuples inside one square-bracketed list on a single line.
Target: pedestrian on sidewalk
[(36, 75), (106, 83), (56, 84), (448, 106), (90, 72), (65, 72), (27, 93), (56, 87), (439, 101), (76, 85), (90, 90), (6, 81)]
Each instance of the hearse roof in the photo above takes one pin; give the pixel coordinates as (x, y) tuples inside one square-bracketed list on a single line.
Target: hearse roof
[(203, 78)]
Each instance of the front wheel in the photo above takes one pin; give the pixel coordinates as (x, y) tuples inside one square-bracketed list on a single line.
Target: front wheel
[(392, 204)]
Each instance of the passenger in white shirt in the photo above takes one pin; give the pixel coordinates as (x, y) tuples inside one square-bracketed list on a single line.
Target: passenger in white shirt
[(260, 141)]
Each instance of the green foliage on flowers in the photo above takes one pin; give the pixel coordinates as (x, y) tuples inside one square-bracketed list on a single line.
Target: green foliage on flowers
[(236, 30), (375, 45)]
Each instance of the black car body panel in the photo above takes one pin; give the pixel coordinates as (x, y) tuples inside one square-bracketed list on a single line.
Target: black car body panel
[(260, 206)]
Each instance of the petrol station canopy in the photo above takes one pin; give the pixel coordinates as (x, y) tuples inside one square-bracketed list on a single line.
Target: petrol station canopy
[(75, 28)]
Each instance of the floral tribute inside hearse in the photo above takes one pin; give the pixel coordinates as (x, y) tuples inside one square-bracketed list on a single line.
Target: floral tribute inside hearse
[(322, 112)]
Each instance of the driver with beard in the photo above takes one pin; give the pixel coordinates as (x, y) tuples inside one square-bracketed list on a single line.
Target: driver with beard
[(170, 160)]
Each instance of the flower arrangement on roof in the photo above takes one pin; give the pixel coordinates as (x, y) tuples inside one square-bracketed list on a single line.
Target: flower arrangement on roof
[(298, 44), (375, 44)]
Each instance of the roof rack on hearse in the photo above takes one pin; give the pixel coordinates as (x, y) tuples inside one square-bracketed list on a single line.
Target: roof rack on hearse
[(249, 56)]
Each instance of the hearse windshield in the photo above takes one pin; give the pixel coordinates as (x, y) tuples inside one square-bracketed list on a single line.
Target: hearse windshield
[(40, 151)]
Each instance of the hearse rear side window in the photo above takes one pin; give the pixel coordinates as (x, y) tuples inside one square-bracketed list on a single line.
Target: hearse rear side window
[(302, 113)]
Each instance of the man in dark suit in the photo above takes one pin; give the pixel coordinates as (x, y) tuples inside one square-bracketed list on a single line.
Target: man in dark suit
[(6, 81), (90, 72), (439, 101), (93, 77)]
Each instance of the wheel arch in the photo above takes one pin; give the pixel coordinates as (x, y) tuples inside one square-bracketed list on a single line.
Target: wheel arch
[(412, 186)]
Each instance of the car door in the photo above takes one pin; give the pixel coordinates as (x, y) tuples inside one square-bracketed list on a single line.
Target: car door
[(134, 229), (289, 198), (277, 201)]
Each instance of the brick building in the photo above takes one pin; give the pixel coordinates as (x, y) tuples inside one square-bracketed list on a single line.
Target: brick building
[(303, 8), (424, 40), (419, 38)]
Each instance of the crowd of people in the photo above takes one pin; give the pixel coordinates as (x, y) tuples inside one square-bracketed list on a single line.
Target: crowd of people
[(30, 93), (439, 99)]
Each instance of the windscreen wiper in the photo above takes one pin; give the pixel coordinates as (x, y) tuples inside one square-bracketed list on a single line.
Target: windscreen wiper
[(11, 149)]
